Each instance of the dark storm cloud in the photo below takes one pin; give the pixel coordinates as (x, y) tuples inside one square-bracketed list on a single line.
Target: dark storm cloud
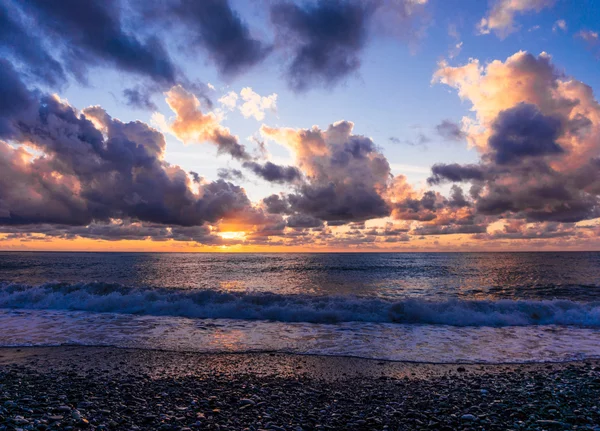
[(48, 38), (346, 184), (303, 221), (517, 177), (117, 231), (21, 44), (15, 99), (455, 172), (345, 174), (215, 26), (457, 198), (419, 209), (274, 173), (87, 176), (523, 131), (91, 32), (450, 131), (339, 204), (325, 39), (449, 229), (538, 193), (275, 204)]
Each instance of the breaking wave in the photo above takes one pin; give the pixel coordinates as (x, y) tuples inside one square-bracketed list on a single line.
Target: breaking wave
[(115, 298)]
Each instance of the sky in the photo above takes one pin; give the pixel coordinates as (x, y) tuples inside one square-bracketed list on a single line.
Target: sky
[(292, 125)]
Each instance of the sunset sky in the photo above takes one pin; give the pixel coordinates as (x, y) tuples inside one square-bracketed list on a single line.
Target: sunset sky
[(267, 125)]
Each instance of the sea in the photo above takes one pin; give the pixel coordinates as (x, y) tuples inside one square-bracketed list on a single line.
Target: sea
[(414, 307)]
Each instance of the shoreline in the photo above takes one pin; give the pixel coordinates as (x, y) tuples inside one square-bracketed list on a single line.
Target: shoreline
[(6, 352), (118, 388)]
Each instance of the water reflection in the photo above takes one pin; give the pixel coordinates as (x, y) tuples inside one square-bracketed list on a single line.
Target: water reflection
[(429, 275)]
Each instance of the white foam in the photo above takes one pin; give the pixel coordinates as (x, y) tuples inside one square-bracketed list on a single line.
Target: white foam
[(211, 304), (402, 342)]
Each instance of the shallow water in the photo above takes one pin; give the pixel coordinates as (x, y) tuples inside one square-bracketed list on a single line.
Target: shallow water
[(464, 307)]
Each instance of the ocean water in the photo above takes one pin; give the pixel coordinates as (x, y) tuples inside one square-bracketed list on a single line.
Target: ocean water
[(421, 307)]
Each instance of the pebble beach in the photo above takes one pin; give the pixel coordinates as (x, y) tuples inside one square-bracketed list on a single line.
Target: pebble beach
[(104, 388)]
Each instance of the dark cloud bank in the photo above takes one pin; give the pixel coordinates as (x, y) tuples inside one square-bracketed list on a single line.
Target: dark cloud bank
[(55, 41), (518, 175)]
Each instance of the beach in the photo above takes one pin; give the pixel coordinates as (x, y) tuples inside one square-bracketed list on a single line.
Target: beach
[(77, 387)]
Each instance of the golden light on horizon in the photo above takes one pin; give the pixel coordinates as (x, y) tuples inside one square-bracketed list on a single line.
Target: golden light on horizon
[(232, 235)]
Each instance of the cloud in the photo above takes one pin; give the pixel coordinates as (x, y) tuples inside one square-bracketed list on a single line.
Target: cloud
[(433, 213), (325, 40), (591, 38), (117, 230), (91, 33), (455, 50), (489, 89), (539, 140), (215, 27), (523, 131), (253, 104), (75, 168), (523, 230), (346, 180), (16, 99), (276, 204), (560, 24), (191, 124), (140, 98), (455, 173), (19, 43), (449, 230), (450, 131), (230, 174), (229, 101), (53, 41), (89, 175), (502, 15), (405, 20), (421, 141), (346, 174), (274, 173), (303, 221)]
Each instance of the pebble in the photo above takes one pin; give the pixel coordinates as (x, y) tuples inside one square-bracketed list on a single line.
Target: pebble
[(185, 392)]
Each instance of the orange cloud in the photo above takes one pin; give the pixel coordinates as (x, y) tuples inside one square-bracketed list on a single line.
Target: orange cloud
[(192, 125), (501, 17), (498, 86)]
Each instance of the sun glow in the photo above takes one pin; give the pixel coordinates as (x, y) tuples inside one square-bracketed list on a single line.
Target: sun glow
[(232, 235)]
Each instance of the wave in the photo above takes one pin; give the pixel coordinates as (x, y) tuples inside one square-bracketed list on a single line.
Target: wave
[(116, 298)]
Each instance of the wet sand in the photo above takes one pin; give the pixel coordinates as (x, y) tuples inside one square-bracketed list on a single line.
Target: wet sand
[(125, 389)]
